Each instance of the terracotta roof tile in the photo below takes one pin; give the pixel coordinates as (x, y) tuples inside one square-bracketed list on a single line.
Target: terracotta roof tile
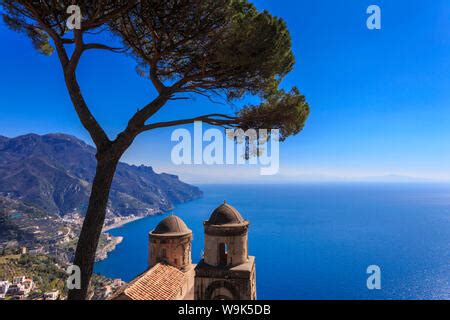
[(162, 282)]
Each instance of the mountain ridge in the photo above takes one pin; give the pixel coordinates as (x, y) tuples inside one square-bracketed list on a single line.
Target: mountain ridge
[(54, 172)]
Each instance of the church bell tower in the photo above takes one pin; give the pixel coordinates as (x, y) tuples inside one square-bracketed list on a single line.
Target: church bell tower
[(226, 271)]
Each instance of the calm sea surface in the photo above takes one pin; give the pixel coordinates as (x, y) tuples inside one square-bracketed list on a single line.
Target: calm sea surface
[(315, 241)]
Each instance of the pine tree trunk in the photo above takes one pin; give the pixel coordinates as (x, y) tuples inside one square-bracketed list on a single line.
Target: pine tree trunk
[(93, 223)]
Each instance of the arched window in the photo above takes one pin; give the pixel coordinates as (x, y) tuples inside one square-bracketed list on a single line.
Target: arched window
[(223, 254), (221, 290)]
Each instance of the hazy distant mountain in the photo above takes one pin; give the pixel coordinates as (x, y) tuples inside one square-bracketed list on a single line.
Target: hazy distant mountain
[(395, 178), (54, 173)]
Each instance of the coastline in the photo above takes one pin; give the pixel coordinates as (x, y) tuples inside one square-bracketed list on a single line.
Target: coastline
[(102, 254), (121, 223)]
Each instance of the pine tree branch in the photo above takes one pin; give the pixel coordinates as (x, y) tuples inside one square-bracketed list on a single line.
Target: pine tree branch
[(229, 121)]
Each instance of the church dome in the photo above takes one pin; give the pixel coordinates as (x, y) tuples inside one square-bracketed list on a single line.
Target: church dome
[(172, 225), (225, 214)]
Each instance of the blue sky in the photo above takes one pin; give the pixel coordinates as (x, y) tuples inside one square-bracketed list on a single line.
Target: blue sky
[(380, 100)]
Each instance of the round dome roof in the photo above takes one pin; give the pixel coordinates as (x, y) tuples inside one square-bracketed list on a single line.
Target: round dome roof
[(171, 225), (225, 214)]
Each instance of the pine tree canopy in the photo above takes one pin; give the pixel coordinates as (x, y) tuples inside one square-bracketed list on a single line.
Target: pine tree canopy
[(216, 48)]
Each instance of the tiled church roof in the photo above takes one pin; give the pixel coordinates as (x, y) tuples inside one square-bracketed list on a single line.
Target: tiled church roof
[(162, 282)]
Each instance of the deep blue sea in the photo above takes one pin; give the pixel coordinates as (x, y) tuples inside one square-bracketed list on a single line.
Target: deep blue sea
[(315, 241)]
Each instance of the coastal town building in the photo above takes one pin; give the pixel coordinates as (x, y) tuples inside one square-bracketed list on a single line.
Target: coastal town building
[(53, 295), (18, 280), (20, 288), (4, 286), (225, 272), (28, 286)]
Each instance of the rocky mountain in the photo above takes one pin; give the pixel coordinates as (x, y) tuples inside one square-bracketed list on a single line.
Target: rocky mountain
[(54, 172)]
